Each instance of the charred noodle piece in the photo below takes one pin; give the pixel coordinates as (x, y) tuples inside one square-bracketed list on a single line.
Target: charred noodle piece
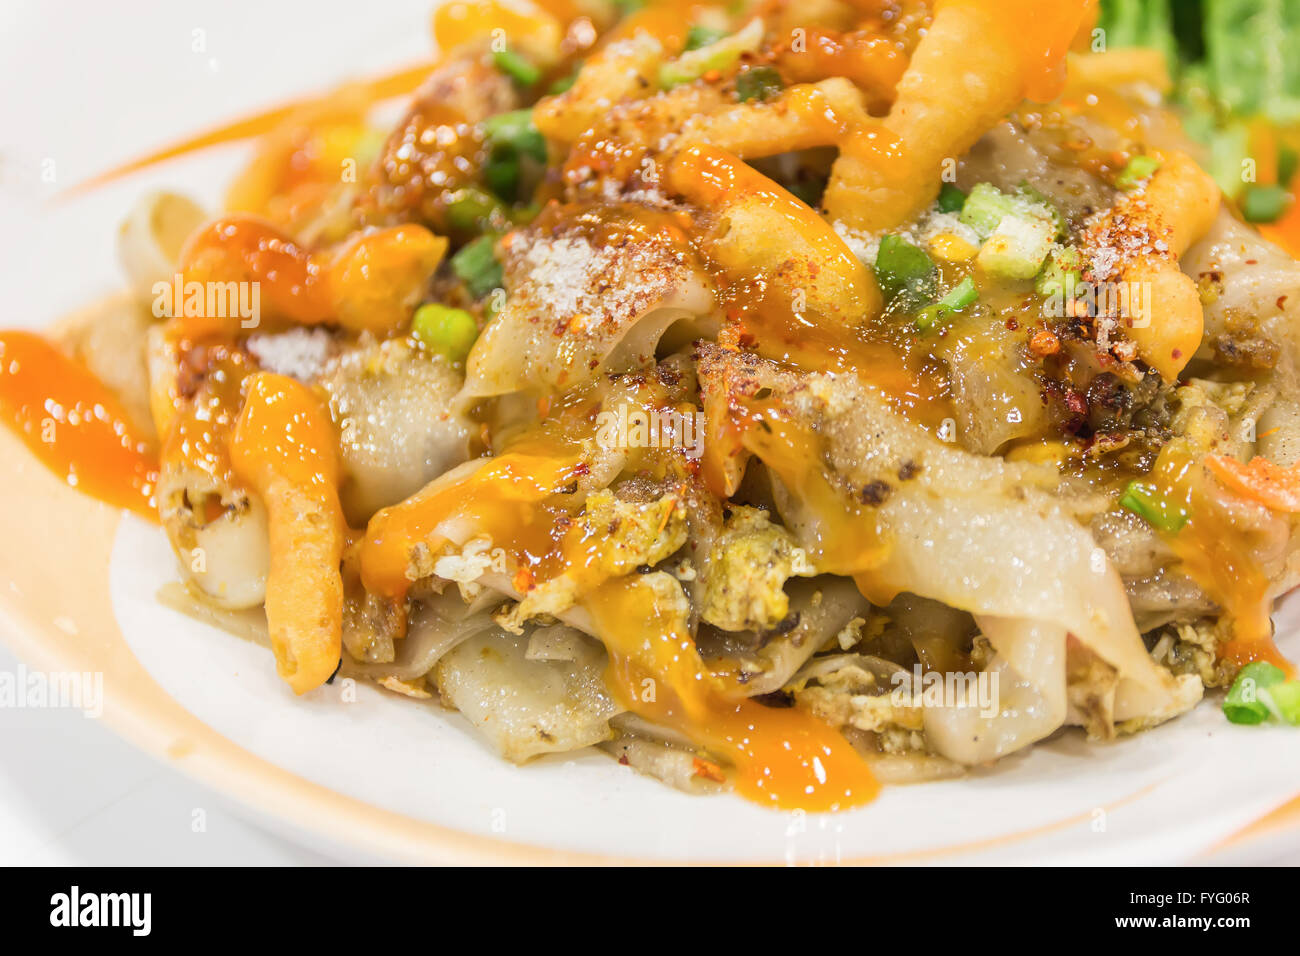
[(284, 449), (976, 62), (875, 497), (369, 283), (1138, 244), (757, 230)]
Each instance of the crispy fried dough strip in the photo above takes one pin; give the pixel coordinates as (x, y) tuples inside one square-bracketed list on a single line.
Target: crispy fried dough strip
[(972, 67), (623, 69), (284, 449), (803, 117), (872, 62), (760, 230), (368, 284), (1151, 229)]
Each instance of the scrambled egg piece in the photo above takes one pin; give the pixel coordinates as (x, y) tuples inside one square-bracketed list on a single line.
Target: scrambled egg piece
[(746, 572), (626, 535)]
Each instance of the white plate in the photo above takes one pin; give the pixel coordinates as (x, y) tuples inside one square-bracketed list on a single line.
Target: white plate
[(119, 85)]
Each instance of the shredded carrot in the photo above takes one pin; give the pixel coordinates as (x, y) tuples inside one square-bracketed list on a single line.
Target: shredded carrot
[(1271, 485)]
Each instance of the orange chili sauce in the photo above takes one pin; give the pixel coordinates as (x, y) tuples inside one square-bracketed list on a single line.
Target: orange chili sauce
[(1286, 231), (74, 424), (374, 90), (1214, 556), (1041, 33), (815, 343), (784, 757)]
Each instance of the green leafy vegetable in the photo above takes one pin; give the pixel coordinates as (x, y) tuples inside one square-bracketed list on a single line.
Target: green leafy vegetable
[(986, 206), (1144, 23), (563, 84), (1250, 54)]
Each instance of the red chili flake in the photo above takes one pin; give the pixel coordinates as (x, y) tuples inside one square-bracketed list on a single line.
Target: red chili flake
[(708, 770), (1044, 343)]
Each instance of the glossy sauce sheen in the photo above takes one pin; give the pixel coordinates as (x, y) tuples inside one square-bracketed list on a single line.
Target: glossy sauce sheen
[(74, 424), (1215, 557), (783, 757)]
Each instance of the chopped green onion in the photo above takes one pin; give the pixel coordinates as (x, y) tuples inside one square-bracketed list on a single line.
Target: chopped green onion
[(1264, 203), (808, 190), (702, 36), (758, 83), (1283, 701), (476, 265), (951, 199), (515, 131), (563, 84), (1144, 502), (1062, 272), (719, 55), (472, 209), (516, 67), (959, 297), (501, 173), (1287, 160), (1017, 247), (1243, 704), (1135, 171), (1041, 204), (903, 268), (446, 331), (510, 136), (985, 207)]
